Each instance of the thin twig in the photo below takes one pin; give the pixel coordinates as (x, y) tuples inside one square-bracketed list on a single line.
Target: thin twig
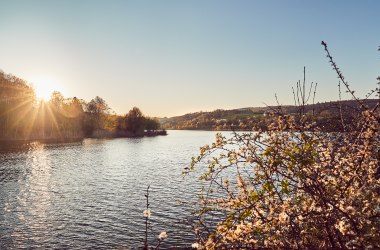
[(146, 218), (341, 77), (340, 108)]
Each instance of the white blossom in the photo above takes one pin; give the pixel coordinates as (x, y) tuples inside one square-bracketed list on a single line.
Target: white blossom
[(147, 213), (163, 235), (194, 245)]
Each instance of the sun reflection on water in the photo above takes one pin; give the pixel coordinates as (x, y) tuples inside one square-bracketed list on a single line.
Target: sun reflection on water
[(35, 195)]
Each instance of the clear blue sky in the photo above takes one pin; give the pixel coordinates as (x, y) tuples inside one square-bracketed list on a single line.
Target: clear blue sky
[(174, 57)]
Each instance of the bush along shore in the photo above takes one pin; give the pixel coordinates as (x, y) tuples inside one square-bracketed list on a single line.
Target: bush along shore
[(293, 186)]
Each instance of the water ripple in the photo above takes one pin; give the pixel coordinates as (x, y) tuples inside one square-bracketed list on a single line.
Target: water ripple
[(90, 194)]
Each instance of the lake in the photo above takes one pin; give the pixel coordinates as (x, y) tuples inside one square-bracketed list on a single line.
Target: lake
[(90, 194)]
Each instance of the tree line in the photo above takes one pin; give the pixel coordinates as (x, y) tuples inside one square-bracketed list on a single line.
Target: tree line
[(328, 116), (22, 116)]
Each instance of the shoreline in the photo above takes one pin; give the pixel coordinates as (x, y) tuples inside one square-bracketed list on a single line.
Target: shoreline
[(77, 139)]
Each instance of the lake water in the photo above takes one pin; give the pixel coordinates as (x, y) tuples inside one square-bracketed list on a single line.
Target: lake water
[(90, 194)]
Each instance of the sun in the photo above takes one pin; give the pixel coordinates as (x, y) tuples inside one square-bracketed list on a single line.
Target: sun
[(44, 87)]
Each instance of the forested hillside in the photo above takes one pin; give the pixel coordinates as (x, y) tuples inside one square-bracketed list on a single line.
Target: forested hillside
[(328, 116)]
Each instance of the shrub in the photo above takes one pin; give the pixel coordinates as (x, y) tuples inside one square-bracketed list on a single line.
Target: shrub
[(292, 186)]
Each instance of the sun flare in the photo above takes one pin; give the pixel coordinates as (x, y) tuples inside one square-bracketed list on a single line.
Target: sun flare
[(44, 88)]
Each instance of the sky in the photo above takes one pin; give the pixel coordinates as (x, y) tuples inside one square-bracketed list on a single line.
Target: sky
[(172, 57)]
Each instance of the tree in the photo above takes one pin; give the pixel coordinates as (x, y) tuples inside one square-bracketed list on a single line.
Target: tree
[(17, 99), (74, 108), (73, 116), (97, 106), (135, 121), (151, 124), (57, 100), (97, 110)]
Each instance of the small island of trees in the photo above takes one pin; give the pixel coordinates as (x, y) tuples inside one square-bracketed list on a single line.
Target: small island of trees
[(23, 117)]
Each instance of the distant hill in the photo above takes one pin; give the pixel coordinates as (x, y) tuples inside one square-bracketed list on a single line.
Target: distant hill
[(327, 115)]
